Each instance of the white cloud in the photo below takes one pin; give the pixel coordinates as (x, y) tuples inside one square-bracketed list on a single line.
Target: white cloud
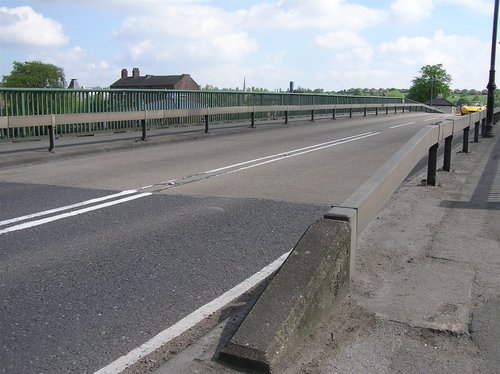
[(340, 40), (475, 6), (80, 64), (23, 26), (410, 11), (318, 14), (470, 69), (139, 49), (187, 30)]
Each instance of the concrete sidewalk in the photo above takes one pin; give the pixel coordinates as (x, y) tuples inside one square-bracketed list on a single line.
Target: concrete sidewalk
[(425, 296)]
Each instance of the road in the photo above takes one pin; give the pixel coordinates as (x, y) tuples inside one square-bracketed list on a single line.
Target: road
[(99, 253)]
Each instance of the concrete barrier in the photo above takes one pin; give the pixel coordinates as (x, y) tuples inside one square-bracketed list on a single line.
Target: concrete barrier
[(314, 277)]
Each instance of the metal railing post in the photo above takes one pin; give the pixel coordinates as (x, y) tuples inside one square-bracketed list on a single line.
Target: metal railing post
[(386, 110), (334, 113), (143, 128), (350, 112), (312, 115), (432, 165), (465, 145), (206, 123), (252, 121), (376, 110), (52, 136), (447, 153), (476, 132), (286, 117), (364, 113)]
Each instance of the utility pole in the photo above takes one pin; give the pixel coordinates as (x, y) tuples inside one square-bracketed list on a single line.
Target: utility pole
[(488, 128)]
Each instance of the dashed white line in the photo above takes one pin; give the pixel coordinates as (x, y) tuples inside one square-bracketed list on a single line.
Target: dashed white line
[(402, 125)]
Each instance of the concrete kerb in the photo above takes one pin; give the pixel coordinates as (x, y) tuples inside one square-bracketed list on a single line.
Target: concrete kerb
[(312, 280)]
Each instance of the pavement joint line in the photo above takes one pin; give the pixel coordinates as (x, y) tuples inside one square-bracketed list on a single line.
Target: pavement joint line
[(192, 319), (230, 169)]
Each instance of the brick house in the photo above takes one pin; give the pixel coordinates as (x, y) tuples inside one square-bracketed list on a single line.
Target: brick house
[(158, 82)]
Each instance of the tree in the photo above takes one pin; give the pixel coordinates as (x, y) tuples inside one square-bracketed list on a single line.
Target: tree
[(433, 79), (35, 74), (394, 93)]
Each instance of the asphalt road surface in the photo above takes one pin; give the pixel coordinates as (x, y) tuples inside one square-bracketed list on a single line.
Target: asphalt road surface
[(101, 252)]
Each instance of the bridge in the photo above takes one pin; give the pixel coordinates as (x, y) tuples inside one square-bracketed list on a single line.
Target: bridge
[(112, 246)]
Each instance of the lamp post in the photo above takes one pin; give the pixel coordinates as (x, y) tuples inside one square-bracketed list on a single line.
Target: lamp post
[(488, 128), (433, 79)]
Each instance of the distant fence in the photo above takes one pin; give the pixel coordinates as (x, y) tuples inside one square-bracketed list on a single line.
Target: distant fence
[(34, 113)]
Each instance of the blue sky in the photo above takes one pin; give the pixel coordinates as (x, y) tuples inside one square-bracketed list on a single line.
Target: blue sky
[(329, 44)]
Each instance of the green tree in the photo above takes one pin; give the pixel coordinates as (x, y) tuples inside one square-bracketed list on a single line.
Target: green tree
[(433, 79), (34, 74), (394, 93)]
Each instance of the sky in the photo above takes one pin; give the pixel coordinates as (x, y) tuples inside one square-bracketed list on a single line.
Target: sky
[(327, 44)]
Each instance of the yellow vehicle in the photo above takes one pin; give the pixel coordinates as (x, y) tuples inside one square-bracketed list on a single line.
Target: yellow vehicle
[(472, 107)]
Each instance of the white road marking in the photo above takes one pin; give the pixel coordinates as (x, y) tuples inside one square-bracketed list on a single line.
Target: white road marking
[(42, 221), (283, 157), (191, 320), (343, 140), (67, 207), (229, 169), (402, 125)]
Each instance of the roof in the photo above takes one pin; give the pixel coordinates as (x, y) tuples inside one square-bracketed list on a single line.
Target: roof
[(439, 101), (160, 81)]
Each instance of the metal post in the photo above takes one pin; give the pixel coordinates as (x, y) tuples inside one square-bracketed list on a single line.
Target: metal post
[(490, 103), (206, 123), (447, 153), (376, 111), (312, 115), (286, 117), (350, 112), (465, 144), (334, 113), (432, 165), (476, 132), (387, 110), (143, 128), (395, 110), (252, 123), (51, 137), (364, 114)]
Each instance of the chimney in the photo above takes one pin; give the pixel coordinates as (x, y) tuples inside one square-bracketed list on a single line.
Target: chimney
[(124, 73), (135, 73)]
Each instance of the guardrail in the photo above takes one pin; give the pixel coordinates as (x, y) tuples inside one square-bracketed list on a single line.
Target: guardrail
[(41, 112), (363, 205)]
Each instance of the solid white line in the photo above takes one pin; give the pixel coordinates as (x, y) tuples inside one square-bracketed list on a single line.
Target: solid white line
[(77, 205), (298, 154), (191, 320), (42, 221), (404, 124), (284, 153)]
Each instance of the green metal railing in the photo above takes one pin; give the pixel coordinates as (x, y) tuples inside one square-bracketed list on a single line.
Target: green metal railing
[(43, 102)]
